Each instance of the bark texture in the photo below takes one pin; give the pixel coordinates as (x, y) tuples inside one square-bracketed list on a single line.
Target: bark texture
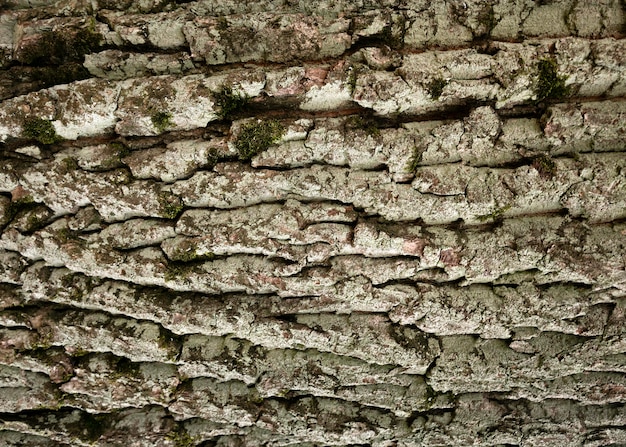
[(340, 222)]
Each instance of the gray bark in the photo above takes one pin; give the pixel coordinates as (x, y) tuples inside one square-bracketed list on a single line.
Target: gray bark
[(269, 223)]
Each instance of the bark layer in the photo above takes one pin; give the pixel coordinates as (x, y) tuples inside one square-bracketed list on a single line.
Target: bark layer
[(269, 223)]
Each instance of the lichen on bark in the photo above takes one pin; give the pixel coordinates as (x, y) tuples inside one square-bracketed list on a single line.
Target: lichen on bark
[(332, 223)]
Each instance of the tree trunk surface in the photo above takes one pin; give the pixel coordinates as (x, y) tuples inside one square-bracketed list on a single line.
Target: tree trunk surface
[(330, 223)]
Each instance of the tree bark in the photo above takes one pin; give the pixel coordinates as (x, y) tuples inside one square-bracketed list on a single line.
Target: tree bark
[(269, 223)]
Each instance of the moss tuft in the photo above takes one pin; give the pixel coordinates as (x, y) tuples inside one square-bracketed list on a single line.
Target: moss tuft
[(66, 235), (496, 215), (86, 41), (35, 222), (161, 121), (119, 151), (41, 130), (120, 148), (176, 271), (229, 102), (415, 160), (181, 438), (171, 205), (255, 138), (69, 164), (184, 262), (550, 85), (435, 87)]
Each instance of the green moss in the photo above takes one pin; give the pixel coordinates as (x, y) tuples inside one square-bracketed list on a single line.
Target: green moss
[(393, 35), (544, 165), (85, 41), (24, 207), (213, 156), (184, 262), (45, 340), (35, 222), (41, 130), (430, 397), (161, 121), (496, 215), (185, 255), (31, 217), (181, 438), (69, 164), (65, 235), (550, 85), (353, 76), (54, 75), (176, 271), (415, 160), (62, 46), (115, 160), (255, 138), (68, 280), (357, 122), (435, 87), (80, 352), (171, 211), (193, 256), (18, 206), (171, 205), (229, 102), (120, 148)]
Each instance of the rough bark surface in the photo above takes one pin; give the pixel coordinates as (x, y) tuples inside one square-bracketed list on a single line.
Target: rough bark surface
[(340, 222)]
